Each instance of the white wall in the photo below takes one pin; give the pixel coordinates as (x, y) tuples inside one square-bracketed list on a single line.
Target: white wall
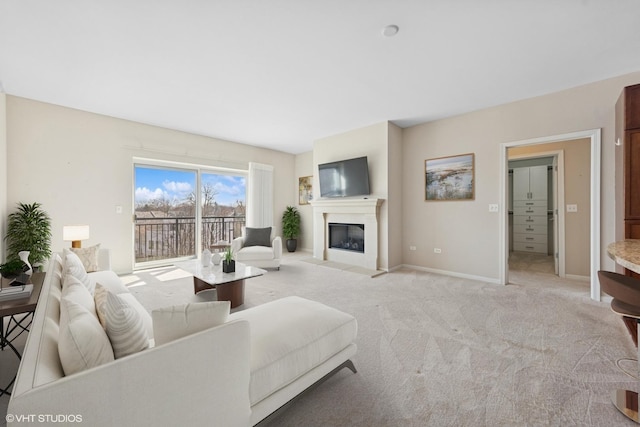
[(79, 166), (394, 194), (465, 231), (304, 167)]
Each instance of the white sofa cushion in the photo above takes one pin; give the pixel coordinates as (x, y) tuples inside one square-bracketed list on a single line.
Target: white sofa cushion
[(77, 292), (124, 324), (170, 323), (82, 343), (73, 265), (88, 257), (289, 337)]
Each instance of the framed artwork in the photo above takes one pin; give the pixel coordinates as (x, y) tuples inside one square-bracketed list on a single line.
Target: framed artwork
[(449, 178), (305, 193)]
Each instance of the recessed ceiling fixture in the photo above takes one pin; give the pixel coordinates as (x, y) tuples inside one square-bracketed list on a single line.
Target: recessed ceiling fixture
[(390, 30)]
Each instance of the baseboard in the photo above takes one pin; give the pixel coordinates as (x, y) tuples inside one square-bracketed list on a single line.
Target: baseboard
[(576, 277), (453, 274)]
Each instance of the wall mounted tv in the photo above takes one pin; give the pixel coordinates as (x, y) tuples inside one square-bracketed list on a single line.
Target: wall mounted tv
[(345, 178)]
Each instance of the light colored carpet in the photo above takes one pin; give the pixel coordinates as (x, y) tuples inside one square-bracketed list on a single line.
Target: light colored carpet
[(344, 267), (443, 351)]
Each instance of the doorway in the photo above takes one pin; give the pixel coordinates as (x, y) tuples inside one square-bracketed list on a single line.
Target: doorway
[(594, 139), (536, 225)]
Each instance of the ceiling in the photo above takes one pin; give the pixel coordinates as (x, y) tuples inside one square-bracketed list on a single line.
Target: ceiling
[(283, 73)]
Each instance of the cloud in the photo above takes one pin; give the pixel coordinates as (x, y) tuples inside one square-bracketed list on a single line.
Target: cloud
[(179, 188), (143, 194)]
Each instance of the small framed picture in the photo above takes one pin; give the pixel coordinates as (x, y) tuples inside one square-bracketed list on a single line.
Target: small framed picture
[(449, 178), (305, 194)]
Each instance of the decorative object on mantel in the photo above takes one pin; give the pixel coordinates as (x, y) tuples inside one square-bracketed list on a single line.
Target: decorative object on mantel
[(291, 227), (228, 263), (75, 234), (29, 229), (450, 178), (305, 187)]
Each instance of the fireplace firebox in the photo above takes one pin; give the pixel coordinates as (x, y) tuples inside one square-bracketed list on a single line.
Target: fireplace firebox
[(349, 237)]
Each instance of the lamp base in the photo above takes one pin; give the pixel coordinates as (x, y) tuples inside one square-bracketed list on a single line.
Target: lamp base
[(76, 244)]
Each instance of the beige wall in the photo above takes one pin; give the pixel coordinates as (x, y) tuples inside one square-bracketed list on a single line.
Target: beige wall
[(466, 231), (79, 166), (373, 142), (304, 167), (3, 172), (577, 176), (394, 195)]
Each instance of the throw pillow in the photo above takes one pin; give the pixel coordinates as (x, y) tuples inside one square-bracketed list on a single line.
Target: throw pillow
[(88, 257), (124, 325), (73, 265), (77, 292), (82, 343), (257, 236), (100, 298), (174, 322)]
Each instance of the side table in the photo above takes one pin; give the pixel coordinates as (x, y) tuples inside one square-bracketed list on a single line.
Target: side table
[(17, 326)]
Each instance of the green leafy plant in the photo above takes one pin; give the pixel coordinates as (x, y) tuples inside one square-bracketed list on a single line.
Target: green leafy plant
[(228, 255), (29, 229), (291, 223), (12, 268)]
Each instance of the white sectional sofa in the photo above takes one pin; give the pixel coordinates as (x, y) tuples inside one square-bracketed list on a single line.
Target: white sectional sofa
[(234, 374)]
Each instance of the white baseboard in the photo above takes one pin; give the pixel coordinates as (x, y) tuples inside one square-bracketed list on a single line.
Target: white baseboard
[(576, 277), (452, 273)]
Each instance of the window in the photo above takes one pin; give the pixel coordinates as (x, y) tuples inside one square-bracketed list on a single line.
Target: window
[(176, 219)]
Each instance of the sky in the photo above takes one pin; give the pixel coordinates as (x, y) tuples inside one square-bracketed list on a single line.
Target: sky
[(176, 185)]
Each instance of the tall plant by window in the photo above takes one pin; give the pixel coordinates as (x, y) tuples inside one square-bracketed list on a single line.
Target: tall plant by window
[(29, 229)]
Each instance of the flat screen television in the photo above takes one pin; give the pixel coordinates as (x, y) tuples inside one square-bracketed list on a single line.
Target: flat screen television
[(345, 178)]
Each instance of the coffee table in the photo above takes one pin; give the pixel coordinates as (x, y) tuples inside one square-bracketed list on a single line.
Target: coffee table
[(228, 286)]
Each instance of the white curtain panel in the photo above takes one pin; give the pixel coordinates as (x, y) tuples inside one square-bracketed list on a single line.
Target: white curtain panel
[(260, 195)]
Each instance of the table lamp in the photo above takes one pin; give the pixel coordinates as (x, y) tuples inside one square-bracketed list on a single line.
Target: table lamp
[(75, 234)]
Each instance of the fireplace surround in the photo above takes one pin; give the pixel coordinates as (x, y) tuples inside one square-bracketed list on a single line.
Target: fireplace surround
[(364, 212)]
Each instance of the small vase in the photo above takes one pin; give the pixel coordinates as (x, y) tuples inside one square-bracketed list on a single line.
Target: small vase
[(206, 258), (24, 257), (216, 258), (228, 266)]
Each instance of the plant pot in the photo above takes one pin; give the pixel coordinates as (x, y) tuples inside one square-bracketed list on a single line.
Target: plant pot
[(228, 266), (292, 245)]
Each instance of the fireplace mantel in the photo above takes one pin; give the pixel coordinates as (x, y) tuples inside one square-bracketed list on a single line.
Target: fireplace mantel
[(358, 211)]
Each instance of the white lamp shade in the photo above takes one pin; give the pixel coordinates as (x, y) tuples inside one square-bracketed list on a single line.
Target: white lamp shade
[(75, 232)]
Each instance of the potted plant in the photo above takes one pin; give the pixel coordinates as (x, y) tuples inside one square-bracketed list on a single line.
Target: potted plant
[(14, 269), (29, 229), (228, 263), (291, 227)]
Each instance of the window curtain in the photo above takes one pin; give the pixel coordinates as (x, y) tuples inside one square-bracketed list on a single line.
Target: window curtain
[(260, 195)]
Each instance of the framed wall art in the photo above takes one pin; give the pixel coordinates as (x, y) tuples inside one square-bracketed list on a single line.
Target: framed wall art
[(305, 193), (449, 178)]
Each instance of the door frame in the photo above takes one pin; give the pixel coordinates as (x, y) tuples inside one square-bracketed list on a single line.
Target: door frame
[(594, 135), (558, 197)]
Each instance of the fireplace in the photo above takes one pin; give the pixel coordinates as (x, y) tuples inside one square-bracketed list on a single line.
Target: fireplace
[(349, 237)]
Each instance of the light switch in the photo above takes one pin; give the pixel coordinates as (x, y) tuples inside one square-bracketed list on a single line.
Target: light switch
[(572, 208), (118, 209)]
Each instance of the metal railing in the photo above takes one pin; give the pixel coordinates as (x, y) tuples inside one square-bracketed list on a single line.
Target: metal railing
[(174, 237)]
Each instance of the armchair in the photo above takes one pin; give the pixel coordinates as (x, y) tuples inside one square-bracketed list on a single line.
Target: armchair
[(258, 247)]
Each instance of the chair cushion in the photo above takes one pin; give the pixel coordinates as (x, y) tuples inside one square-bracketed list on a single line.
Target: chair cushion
[(257, 237), (289, 337), (255, 253)]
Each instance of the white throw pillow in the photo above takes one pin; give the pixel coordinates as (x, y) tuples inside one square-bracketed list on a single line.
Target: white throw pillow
[(77, 292), (124, 325), (82, 343), (88, 257), (177, 321), (73, 265)]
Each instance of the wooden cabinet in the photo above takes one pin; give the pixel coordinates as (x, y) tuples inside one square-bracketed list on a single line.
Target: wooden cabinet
[(530, 209), (628, 133)]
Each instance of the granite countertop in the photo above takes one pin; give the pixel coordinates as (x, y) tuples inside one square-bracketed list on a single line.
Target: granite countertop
[(626, 253)]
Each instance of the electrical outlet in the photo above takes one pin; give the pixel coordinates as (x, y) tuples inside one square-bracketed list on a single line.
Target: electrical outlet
[(493, 208), (572, 208), (412, 248), (437, 250), (118, 209)]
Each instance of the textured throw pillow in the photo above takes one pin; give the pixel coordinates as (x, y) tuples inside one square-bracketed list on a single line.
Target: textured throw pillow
[(174, 322), (77, 292), (124, 325), (257, 236), (100, 298), (73, 266), (82, 343), (88, 257)]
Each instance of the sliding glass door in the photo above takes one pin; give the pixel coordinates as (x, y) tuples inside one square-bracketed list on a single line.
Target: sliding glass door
[(178, 212)]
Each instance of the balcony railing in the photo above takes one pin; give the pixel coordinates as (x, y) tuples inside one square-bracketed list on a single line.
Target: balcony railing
[(166, 238)]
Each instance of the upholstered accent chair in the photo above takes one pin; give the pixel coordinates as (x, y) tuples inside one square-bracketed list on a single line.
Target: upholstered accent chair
[(259, 247)]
